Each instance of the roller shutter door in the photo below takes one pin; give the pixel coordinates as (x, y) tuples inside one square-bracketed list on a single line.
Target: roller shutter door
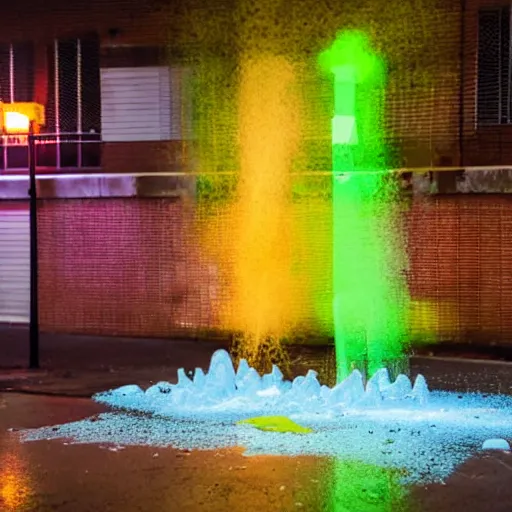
[(14, 265)]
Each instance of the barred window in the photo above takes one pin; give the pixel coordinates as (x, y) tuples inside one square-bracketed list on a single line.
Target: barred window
[(494, 67), (65, 77)]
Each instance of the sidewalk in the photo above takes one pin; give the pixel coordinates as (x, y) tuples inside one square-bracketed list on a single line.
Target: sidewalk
[(83, 365)]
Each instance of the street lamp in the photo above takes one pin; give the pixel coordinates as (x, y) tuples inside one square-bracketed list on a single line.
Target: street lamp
[(24, 120)]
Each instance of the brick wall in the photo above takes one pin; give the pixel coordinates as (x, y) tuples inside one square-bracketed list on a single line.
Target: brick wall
[(461, 259), (119, 267), (134, 267), (423, 96), (147, 157)]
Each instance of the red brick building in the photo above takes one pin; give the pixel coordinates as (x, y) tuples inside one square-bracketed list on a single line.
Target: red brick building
[(119, 255)]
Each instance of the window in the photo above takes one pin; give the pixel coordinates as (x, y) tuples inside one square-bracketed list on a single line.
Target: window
[(65, 77), (16, 72), (494, 67), (16, 84)]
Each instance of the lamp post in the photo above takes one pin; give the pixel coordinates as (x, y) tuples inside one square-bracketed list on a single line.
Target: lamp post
[(34, 288)]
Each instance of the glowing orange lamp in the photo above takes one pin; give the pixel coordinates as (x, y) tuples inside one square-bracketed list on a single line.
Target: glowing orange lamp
[(17, 118)]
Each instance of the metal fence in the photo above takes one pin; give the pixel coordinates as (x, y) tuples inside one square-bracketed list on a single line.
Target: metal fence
[(54, 152)]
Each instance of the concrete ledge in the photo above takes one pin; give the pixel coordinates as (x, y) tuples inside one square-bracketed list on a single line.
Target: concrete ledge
[(493, 181), (78, 186), (183, 184)]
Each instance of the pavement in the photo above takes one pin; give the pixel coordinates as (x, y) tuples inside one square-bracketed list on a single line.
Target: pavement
[(46, 476), (56, 476), (82, 365), (79, 366)]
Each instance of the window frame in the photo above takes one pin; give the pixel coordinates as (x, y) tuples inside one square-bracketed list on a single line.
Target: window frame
[(52, 135), (504, 86)]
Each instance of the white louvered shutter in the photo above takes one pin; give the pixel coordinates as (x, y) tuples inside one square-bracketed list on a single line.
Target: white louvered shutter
[(14, 265)]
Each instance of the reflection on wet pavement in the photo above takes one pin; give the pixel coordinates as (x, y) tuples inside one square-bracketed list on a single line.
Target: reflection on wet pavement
[(15, 484), (79, 478), (356, 486), (57, 476)]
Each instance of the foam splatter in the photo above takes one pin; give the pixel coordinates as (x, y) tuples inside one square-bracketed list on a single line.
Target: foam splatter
[(224, 393), (388, 424)]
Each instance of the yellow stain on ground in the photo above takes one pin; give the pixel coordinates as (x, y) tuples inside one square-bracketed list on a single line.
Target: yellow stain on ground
[(275, 424)]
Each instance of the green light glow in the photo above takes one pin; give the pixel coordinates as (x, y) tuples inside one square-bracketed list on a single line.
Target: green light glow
[(368, 285), (367, 488), (344, 130)]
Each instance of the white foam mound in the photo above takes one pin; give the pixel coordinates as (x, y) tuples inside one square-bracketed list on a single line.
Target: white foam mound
[(496, 444), (223, 392)]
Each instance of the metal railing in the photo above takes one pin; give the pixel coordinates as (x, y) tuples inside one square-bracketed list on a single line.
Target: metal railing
[(53, 151)]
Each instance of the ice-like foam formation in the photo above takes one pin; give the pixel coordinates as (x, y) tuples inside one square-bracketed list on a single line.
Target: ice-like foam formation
[(387, 424), (224, 392), (496, 444)]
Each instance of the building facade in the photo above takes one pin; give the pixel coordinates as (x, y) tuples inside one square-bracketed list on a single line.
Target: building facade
[(118, 250), (108, 76), (101, 71)]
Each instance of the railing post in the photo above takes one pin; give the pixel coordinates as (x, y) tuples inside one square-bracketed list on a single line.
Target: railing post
[(34, 288)]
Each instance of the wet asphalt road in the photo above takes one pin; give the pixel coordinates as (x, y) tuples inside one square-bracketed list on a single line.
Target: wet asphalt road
[(49, 476)]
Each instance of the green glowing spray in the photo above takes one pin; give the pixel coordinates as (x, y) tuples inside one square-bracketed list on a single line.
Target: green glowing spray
[(369, 291)]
